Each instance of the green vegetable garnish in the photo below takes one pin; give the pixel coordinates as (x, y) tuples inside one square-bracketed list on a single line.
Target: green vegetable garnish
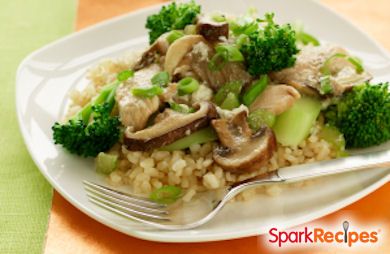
[(217, 17), (106, 163), (147, 92), (190, 29), (199, 137), (243, 25), (325, 69), (225, 53), (269, 49), (93, 129), (125, 75), (187, 86), (261, 117), (181, 108), (167, 194), (306, 38), (231, 87), (255, 90), (293, 126), (174, 35), (325, 85), (241, 39), (231, 102), (332, 135), (363, 115), (174, 16), (160, 79), (231, 52)]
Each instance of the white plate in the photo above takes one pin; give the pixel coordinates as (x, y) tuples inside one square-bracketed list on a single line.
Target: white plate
[(46, 76)]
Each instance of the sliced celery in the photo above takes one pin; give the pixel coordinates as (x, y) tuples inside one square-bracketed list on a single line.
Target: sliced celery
[(231, 87), (106, 163), (167, 194), (332, 135), (255, 90), (231, 102), (199, 137), (293, 125), (260, 117)]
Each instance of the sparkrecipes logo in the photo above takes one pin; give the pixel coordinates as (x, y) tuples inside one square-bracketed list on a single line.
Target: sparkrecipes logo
[(319, 235)]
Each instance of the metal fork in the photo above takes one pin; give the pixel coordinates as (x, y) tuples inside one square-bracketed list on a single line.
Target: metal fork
[(159, 215)]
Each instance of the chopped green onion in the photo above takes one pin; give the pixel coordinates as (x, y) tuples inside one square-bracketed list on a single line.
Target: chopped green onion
[(231, 87), (217, 62), (160, 79), (306, 38), (241, 39), (181, 108), (303, 37), (174, 35), (190, 29), (357, 63), (231, 52), (261, 117), (198, 137), (167, 194), (325, 69), (106, 163), (147, 92), (187, 86), (231, 102), (255, 90), (225, 53), (243, 25), (325, 85), (124, 75), (218, 17)]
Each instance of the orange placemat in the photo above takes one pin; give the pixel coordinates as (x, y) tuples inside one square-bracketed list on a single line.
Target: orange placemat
[(71, 231)]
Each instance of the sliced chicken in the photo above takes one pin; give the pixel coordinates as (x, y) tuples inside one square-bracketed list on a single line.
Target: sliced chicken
[(306, 74), (215, 79), (276, 99), (134, 112), (190, 56)]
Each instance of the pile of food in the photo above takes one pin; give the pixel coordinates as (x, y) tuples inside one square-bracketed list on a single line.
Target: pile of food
[(217, 99)]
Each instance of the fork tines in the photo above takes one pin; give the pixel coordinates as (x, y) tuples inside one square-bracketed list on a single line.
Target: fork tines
[(127, 205)]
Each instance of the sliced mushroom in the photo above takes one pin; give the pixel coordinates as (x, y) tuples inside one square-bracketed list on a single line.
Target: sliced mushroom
[(212, 31), (240, 150), (276, 99), (169, 128), (151, 55), (179, 49)]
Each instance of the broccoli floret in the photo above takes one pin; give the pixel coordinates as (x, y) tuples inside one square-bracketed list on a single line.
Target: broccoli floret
[(363, 115), (171, 17), (270, 48), (93, 129)]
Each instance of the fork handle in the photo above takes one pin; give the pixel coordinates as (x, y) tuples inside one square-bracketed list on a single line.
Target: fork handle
[(342, 165), (312, 170)]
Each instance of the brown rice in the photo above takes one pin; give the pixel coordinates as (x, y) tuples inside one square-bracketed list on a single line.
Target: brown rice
[(194, 171)]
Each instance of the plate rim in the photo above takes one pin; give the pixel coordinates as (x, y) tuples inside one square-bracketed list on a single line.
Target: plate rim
[(199, 238)]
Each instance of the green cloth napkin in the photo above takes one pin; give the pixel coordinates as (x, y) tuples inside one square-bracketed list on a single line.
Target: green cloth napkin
[(25, 196)]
